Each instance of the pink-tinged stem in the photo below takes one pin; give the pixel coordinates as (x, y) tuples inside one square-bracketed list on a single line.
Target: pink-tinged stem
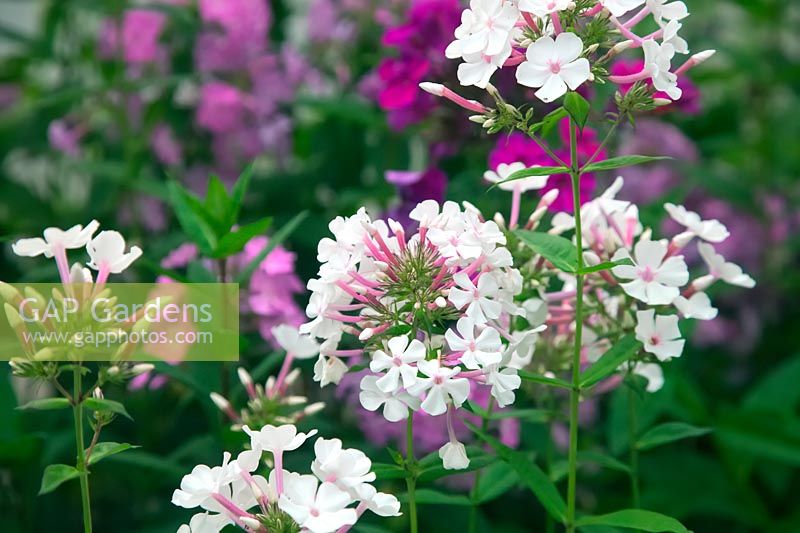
[(691, 62), (284, 371), (630, 78), (352, 292), (234, 511), (514, 60), (263, 502), (362, 507), (556, 23), (60, 255), (278, 456), (364, 281), (472, 374), (531, 21), (344, 318), (516, 198), (637, 18), (593, 11), (345, 353), (470, 105), (628, 34)]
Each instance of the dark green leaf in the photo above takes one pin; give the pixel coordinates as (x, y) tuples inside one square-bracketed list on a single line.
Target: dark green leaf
[(280, 236), (544, 380), (388, 471), (232, 243), (46, 404), (435, 470), (192, 218), (216, 204), (434, 497), (96, 404), (551, 120), (669, 432), (102, 450), (556, 249), (496, 480), (635, 519), (577, 107), (560, 469), (620, 162), (55, 475), (778, 390), (606, 265), (609, 362), (530, 474), (238, 193), (532, 171)]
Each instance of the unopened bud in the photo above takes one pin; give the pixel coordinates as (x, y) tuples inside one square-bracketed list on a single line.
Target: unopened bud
[(223, 404), (97, 393), (701, 57), (295, 400), (440, 302), (244, 377), (292, 376), (592, 49), (313, 408), (14, 319), (499, 220), (142, 368), (436, 89), (682, 239), (662, 102), (250, 522), (112, 370), (9, 293), (492, 90), (703, 282), (366, 334), (478, 119), (488, 124), (621, 47)]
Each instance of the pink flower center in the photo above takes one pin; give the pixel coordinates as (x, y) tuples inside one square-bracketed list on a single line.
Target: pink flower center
[(438, 380), (397, 361), (647, 274), (314, 512), (555, 66), (655, 340), (472, 346)]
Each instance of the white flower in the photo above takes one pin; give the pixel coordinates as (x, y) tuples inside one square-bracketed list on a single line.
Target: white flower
[(721, 269), (277, 439), (708, 230), (520, 351), (504, 382), (655, 280), (198, 487), (317, 510), (697, 306), (657, 62), (485, 28), (397, 365), (454, 456), (478, 68), (329, 370), (440, 385), (505, 171), (665, 10), (620, 7), (671, 37), (478, 352), (205, 523), (290, 339), (476, 298), (107, 252), (554, 65), (659, 334), (345, 468), (653, 373), (542, 8), (395, 406), (55, 240), (380, 503)]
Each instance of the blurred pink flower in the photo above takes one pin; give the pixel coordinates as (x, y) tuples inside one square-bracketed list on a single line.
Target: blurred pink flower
[(221, 108), (141, 30), (166, 146), (65, 139)]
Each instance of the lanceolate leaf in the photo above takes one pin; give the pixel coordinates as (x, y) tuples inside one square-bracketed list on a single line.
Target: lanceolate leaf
[(577, 107), (607, 265), (669, 432), (102, 450), (234, 242), (624, 349), (532, 171), (558, 250), (530, 474), (55, 475), (96, 404), (191, 216), (635, 519), (237, 195), (434, 497), (544, 380), (46, 404), (620, 162)]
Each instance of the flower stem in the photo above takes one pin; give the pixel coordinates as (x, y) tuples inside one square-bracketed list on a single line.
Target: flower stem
[(473, 515), (575, 392), (411, 473), (634, 452), (77, 410)]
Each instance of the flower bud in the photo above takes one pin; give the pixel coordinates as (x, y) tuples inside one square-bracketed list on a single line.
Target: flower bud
[(14, 319), (9, 293), (621, 47), (313, 408), (436, 89), (366, 334), (142, 368), (702, 57), (250, 522), (97, 393), (478, 119), (244, 377), (662, 102), (223, 404)]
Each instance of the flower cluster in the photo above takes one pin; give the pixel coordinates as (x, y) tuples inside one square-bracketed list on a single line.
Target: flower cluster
[(432, 311), (558, 45), (284, 501), (648, 286)]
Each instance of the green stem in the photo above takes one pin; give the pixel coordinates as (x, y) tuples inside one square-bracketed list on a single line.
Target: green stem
[(575, 392), (473, 515), (634, 452), (411, 473), (77, 409), (549, 524)]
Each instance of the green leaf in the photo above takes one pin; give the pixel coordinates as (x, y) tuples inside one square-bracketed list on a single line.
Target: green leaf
[(561, 468), (496, 480), (102, 450), (434, 497), (96, 404), (577, 107), (620, 162), (55, 475), (530, 172), (778, 390), (192, 217), (217, 204), (232, 243), (556, 249), (606, 265), (609, 362), (529, 473), (669, 432), (435, 470), (388, 471), (544, 380), (46, 404), (635, 519), (551, 120), (280, 236), (238, 194)]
